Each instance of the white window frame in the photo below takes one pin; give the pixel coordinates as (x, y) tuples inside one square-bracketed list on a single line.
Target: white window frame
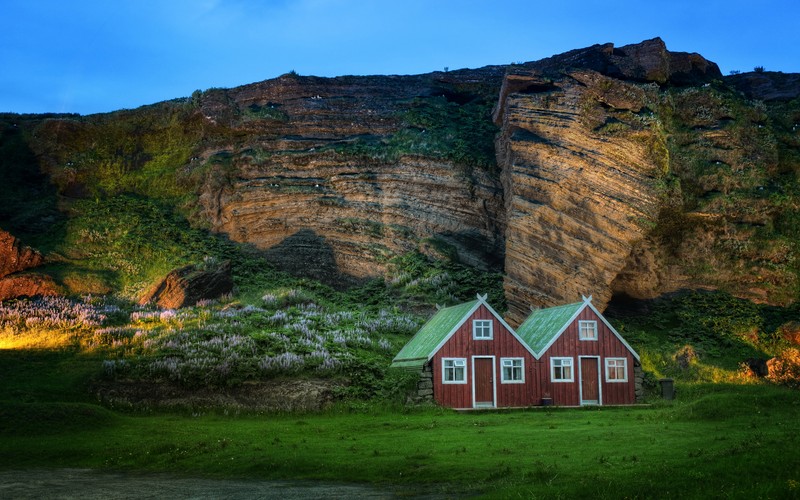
[(456, 363), (553, 369), (509, 363), (483, 324), (609, 368), (587, 325)]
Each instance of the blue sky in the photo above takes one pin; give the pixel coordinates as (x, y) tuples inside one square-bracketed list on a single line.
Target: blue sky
[(93, 56)]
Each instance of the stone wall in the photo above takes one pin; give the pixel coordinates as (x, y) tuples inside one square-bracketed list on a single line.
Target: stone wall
[(424, 390)]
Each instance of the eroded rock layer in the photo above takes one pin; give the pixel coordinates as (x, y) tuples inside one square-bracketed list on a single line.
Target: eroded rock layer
[(325, 186), (578, 177)]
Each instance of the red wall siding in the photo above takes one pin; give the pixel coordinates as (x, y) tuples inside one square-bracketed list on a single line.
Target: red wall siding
[(607, 345), (505, 345)]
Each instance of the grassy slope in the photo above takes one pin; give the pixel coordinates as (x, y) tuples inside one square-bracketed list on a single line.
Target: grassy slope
[(719, 441)]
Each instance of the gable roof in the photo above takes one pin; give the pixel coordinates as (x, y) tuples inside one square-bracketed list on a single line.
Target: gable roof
[(537, 333), (437, 329), (544, 326)]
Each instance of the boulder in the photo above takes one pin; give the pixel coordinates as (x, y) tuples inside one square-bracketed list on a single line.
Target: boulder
[(15, 257), (27, 285), (185, 286)]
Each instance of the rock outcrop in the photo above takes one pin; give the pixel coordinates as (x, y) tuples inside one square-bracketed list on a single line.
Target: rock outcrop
[(606, 170), (27, 284), (15, 257), (327, 187), (767, 85), (189, 284), (578, 174)]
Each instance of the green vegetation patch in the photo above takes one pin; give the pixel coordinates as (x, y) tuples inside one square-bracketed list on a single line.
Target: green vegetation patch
[(437, 128)]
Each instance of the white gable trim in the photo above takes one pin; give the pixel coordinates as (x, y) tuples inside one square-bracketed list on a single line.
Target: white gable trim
[(464, 319), (481, 302), (510, 330), (613, 330), (564, 327), (587, 302)]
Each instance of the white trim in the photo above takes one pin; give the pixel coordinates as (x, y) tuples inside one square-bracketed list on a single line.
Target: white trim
[(467, 315), (553, 369), (587, 302), (475, 329), (453, 331), (587, 323), (503, 372), (508, 328), (463, 366), (557, 335), (613, 330), (580, 382), (624, 367)]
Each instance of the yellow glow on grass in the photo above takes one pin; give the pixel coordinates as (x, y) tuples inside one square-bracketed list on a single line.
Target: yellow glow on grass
[(35, 339)]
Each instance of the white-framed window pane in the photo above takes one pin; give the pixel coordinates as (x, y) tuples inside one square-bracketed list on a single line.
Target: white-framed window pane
[(587, 330), (512, 370), (482, 329), (454, 370), (561, 369), (616, 369)]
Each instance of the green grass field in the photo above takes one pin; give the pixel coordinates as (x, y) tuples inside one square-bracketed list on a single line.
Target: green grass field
[(713, 441)]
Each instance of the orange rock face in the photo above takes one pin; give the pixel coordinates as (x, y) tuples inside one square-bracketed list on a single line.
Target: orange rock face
[(302, 191), (578, 187), (27, 285), (15, 257)]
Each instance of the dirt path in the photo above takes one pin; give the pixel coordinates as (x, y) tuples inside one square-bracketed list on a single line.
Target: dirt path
[(90, 484)]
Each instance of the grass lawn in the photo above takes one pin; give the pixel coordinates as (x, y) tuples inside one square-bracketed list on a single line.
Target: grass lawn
[(713, 441)]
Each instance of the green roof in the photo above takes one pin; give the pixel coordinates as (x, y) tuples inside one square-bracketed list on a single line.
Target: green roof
[(543, 325), (422, 345)]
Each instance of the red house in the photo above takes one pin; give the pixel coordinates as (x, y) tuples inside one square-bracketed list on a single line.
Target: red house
[(582, 359), (569, 355)]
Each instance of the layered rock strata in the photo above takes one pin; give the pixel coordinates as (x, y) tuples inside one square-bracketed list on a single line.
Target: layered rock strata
[(578, 180), (318, 186)]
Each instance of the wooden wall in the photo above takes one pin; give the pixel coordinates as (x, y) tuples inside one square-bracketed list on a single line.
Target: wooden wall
[(607, 345), (503, 345)]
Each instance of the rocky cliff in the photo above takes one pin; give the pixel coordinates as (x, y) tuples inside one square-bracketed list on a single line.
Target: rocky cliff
[(607, 170)]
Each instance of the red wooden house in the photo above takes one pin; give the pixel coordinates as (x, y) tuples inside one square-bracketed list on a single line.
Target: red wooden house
[(476, 360), (569, 355), (582, 359)]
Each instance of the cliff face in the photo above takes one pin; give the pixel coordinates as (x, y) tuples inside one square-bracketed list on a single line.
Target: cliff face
[(324, 184), (645, 174), (578, 176), (607, 170)]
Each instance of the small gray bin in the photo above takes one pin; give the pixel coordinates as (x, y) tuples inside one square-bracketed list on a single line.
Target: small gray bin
[(667, 388)]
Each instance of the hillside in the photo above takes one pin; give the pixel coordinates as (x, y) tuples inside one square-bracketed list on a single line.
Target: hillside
[(621, 172)]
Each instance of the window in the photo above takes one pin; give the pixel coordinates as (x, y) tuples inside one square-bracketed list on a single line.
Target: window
[(513, 370), (616, 370), (454, 371), (561, 370), (482, 329), (587, 330)]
